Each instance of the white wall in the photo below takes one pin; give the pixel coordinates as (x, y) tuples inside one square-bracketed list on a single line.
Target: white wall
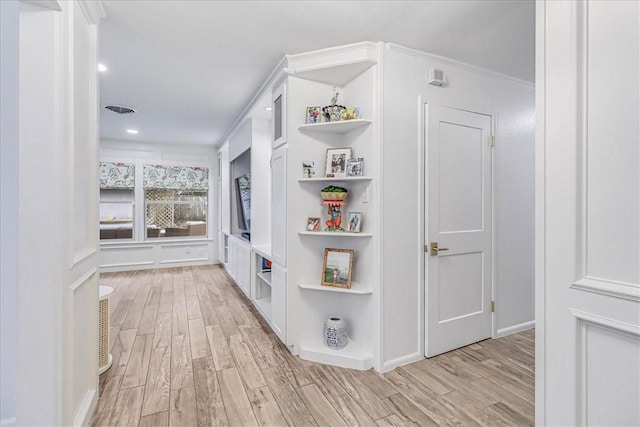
[(511, 102), (140, 253), (49, 150), (9, 215)]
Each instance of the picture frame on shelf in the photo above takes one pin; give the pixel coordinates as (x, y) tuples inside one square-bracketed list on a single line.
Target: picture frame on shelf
[(336, 162), (337, 267), (313, 224), (308, 169), (355, 167), (354, 222), (314, 114)]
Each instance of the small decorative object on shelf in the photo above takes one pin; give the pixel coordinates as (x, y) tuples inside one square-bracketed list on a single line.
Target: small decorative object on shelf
[(336, 163), (333, 112), (355, 167), (313, 224), (354, 221), (335, 333), (350, 113), (308, 169), (337, 265), (333, 198), (313, 115)]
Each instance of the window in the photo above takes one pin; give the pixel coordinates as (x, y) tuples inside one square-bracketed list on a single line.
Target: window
[(175, 200), (175, 213), (116, 200)]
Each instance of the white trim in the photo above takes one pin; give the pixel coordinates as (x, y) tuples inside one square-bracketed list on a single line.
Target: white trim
[(83, 254), (47, 4), (8, 422), (182, 243), (119, 246), (93, 10), (503, 332), (87, 407), (610, 288), (420, 54), (606, 322), (84, 278), (174, 261), (126, 264), (390, 365)]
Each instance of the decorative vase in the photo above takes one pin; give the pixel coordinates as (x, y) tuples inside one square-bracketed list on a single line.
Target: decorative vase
[(335, 333)]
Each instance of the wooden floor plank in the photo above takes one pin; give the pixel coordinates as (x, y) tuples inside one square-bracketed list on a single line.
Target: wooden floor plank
[(293, 408), (236, 402), (321, 409), (181, 365), (265, 407), (121, 352), (127, 408), (209, 404), (148, 320), (219, 347), (247, 367), (156, 391), (193, 307), (162, 335), (410, 411), (198, 337), (138, 366), (182, 409), (159, 419)]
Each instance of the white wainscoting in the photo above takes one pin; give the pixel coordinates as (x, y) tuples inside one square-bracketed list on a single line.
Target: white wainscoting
[(138, 256)]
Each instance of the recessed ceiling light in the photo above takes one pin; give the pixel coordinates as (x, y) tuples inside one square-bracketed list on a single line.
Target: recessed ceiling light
[(102, 68), (268, 108), (132, 131)]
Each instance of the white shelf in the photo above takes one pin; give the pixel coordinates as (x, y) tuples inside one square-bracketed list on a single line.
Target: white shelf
[(341, 127), (334, 234), (265, 276), (355, 289), (346, 178), (352, 356)]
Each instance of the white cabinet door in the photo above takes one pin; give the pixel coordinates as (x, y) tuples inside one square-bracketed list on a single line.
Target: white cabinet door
[(231, 261), (243, 268), (279, 206), (279, 301), (279, 134)]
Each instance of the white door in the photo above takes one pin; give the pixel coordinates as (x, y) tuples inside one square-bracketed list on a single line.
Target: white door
[(588, 213), (458, 228)]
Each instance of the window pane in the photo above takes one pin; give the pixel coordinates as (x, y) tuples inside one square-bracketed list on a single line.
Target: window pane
[(116, 214), (176, 213)]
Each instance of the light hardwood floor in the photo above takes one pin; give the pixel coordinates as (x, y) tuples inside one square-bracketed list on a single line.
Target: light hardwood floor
[(188, 349)]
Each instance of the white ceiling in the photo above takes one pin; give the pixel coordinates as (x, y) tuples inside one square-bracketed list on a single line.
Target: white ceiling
[(189, 68)]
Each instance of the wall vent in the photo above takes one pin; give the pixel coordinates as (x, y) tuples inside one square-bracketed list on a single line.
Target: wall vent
[(118, 109)]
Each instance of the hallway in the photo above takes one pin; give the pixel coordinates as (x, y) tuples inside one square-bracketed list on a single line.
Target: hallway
[(188, 349)]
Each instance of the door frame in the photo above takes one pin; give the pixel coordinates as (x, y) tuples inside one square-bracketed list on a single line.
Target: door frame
[(422, 214)]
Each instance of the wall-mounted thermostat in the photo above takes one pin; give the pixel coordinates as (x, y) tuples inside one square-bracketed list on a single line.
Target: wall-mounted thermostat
[(436, 77)]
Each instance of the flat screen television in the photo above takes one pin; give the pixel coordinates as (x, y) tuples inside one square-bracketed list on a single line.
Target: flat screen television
[(243, 199)]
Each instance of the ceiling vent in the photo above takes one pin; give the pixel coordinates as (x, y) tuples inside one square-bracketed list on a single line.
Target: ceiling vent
[(118, 109)]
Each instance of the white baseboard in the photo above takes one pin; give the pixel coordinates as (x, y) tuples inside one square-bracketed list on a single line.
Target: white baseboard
[(390, 365), (515, 328), (8, 422), (85, 412)]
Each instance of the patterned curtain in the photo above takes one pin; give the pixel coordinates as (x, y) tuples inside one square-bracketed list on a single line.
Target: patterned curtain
[(175, 177), (117, 175)]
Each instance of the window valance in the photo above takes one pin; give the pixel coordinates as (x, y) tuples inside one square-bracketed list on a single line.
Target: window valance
[(117, 175), (175, 177)]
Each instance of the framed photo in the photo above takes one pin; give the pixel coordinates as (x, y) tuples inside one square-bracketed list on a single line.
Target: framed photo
[(336, 166), (313, 224), (308, 169), (355, 167), (313, 115), (354, 221), (337, 266)]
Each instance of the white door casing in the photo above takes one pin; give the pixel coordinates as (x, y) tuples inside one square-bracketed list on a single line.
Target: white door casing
[(458, 215), (588, 213)]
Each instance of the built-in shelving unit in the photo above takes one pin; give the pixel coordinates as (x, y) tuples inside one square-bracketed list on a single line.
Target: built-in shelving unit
[(340, 127), (355, 289)]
